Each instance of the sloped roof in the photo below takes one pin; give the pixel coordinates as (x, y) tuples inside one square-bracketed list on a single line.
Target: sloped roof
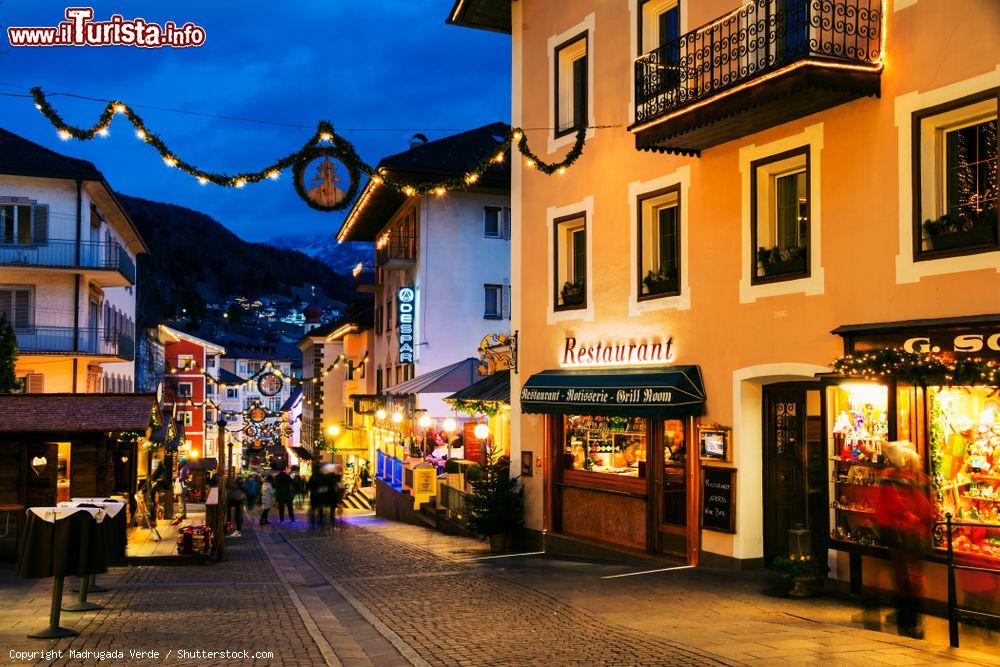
[(482, 14), (359, 313), (21, 157), (176, 334), (20, 413), (443, 158), (229, 376), (292, 398)]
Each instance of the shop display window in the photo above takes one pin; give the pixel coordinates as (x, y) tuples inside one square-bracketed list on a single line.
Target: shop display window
[(964, 430), (858, 423), (610, 445)]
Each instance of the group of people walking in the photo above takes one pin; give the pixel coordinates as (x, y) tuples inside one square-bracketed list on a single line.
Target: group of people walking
[(325, 489)]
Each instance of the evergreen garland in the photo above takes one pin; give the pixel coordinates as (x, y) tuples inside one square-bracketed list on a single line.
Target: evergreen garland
[(919, 368), (325, 141)]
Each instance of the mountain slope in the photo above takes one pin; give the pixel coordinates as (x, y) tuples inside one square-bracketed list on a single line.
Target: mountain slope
[(341, 257), (193, 259)]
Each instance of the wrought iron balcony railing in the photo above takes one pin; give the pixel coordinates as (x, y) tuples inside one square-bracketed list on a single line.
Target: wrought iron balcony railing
[(71, 255), (396, 247), (758, 39), (60, 340)]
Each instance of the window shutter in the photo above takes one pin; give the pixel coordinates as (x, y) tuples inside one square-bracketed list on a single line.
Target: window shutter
[(22, 309), (7, 305), (36, 383), (505, 300), (506, 223), (40, 233)]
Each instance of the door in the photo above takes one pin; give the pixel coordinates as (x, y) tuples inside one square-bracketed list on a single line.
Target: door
[(676, 527), (785, 486)]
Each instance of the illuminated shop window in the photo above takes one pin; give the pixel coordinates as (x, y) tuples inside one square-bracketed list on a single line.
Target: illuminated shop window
[(610, 445), (965, 465), (780, 216)]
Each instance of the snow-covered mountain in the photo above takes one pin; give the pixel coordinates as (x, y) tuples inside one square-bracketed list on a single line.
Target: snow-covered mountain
[(341, 257)]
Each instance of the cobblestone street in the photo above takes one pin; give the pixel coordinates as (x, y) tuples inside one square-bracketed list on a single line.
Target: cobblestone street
[(384, 593)]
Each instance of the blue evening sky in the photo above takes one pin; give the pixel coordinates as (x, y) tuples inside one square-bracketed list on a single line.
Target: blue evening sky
[(358, 63)]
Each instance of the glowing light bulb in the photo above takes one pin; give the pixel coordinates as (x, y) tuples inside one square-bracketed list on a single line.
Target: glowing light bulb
[(326, 136), (424, 421), (529, 163), (103, 132), (273, 174), (498, 158), (141, 134), (64, 135), (440, 191), (38, 106), (240, 183), (517, 135), (170, 161), (377, 179), (118, 108), (561, 170), (482, 431), (409, 191), (203, 181), (471, 178), (380, 414), (397, 417), (333, 430), (449, 425)]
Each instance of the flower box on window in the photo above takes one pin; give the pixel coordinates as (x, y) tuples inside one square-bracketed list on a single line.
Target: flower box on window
[(664, 281), (573, 294), (782, 261), (953, 231)]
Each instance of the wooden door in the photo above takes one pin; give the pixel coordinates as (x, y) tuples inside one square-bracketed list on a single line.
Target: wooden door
[(674, 492), (785, 484)]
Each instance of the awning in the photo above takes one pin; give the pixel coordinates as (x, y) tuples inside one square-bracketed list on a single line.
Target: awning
[(668, 391), (494, 388), (441, 381), (202, 464), (303, 453)]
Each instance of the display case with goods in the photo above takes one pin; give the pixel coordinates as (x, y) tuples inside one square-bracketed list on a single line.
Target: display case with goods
[(609, 445), (862, 418), (964, 436)]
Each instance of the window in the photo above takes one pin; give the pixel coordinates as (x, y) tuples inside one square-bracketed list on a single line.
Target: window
[(955, 174), (349, 417), (659, 243), (660, 28), (232, 392), (378, 380), (674, 473), (22, 222), (493, 226), (388, 316), (609, 445), (17, 305), (494, 302), (184, 389), (571, 262), (378, 321), (779, 208), (253, 367), (571, 86), (186, 418), (183, 360), (210, 416)]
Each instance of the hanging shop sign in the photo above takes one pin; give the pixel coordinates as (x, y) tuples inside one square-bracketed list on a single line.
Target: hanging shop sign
[(270, 384), (406, 298), (368, 404), (257, 414), (977, 336), (497, 352), (617, 353)]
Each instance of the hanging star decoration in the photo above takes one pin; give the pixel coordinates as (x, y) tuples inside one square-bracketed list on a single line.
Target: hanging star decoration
[(326, 145)]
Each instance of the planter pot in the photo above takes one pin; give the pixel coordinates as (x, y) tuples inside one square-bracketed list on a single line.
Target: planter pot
[(785, 267), (660, 286), (572, 299), (801, 588), (952, 240), (497, 543)]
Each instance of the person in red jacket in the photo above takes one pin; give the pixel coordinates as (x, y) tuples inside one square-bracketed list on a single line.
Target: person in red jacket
[(903, 517)]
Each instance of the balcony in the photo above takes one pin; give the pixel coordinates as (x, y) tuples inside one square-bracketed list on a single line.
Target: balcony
[(109, 262), (767, 63), (89, 342), (366, 279), (396, 251)]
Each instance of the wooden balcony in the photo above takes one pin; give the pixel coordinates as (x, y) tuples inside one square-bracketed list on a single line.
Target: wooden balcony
[(767, 63)]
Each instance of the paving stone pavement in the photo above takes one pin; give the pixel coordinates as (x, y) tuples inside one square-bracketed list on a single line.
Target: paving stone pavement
[(382, 593)]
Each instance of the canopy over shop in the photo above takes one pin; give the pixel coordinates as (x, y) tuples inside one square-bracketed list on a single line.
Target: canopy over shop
[(620, 472), (932, 383)]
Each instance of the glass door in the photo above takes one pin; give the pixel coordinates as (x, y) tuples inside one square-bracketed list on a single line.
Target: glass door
[(674, 490)]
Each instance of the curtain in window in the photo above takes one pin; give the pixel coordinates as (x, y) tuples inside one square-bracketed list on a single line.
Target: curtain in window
[(667, 237), (789, 190), (579, 240)]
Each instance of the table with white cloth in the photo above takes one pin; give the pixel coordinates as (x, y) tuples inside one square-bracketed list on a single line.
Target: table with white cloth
[(115, 523)]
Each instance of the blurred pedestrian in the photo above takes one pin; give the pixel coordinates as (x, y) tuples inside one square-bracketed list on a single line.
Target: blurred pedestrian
[(235, 496), (335, 490), (252, 488), (283, 496), (318, 488), (266, 499), (903, 518)]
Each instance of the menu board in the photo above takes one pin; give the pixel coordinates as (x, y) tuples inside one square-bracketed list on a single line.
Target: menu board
[(718, 499)]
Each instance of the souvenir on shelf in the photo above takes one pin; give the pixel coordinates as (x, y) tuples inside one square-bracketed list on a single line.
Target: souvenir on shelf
[(614, 445), (965, 459)]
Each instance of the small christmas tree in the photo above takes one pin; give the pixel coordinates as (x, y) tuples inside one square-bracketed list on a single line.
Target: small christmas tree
[(8, 357)]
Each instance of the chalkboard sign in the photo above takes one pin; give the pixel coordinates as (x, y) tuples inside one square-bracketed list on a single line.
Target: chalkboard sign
[(718, 499)]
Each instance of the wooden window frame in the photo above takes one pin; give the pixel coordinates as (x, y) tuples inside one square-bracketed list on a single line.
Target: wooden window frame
[(498, 289), (557, 288), (572, 129), (653, 194), (639, 24), (754, 168), (916, 145), (500, 222)]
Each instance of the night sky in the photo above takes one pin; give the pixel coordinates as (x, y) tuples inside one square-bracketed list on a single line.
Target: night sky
[(358, 63)]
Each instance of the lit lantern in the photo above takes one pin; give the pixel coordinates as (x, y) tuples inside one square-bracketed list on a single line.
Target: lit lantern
[(424, 421), (449, 425), (333, 430), (482, 431), (380, 414), (397, 417), (799, 543)]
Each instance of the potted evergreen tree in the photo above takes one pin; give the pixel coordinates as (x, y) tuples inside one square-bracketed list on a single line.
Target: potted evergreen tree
[(961, 231), (8, 357), (496, 504), (573, 293), (661, 281)]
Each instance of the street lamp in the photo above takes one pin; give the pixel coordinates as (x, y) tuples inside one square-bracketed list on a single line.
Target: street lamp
[(449, 425), (380, 414), (333, 430), (482, 431), (397, 417), (424, 421)]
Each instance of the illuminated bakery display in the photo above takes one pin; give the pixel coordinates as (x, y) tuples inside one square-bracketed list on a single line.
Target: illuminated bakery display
[(964, 433), (859, 435), (610, 445)]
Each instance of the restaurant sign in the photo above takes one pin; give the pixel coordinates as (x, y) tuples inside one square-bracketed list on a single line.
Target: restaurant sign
[(617, 353), (406, 297)]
